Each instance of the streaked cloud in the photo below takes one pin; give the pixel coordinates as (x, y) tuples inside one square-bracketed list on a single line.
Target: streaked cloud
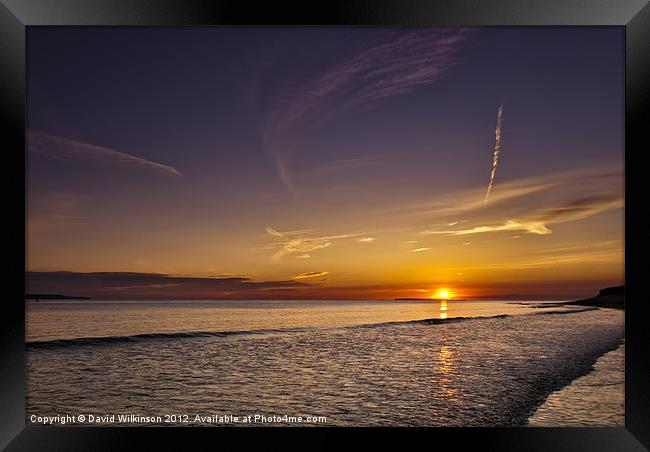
[(310, 275), (585, 257), (366, 239), (149, 285), (582, 208), (57, 211), (497, 151), (563, 249), (419, 250), (282, 168), (511, 194), (599, 252), (291, 242), (59, 147), (510, 225), (537, 222), (397, 66), (337, 165)]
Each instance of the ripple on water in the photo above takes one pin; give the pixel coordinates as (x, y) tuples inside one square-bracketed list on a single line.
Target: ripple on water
[(482, 372)]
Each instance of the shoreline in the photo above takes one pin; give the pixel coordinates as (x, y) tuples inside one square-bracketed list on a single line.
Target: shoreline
[(574, 405), (610, 297), (601, 301), (607, 375)]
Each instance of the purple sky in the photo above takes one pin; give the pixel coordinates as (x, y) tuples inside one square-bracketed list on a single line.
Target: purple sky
[(174, 150)]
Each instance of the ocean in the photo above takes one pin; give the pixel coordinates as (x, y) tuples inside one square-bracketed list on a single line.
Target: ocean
[(345, 363)]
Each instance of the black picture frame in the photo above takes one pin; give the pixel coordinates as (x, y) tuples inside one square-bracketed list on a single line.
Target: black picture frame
[(634, 15)]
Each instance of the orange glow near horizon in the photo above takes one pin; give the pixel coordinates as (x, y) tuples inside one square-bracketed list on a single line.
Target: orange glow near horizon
[(442, 294), (289, 177)]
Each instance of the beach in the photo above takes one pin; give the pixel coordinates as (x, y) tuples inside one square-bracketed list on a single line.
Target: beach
[(593, 400)]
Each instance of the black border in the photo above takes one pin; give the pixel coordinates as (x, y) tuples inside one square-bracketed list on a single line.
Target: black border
[(634, 15)]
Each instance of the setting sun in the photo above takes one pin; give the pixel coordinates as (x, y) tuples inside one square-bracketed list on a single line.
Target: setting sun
[(441, 294)]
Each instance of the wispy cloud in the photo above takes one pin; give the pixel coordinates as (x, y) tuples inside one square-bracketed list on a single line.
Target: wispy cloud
[(310, 275), (497, 151), (551, 256), (554, 250), (297, 242), (337, 165), (419, 250), (581, 208), (282, 167), (509, 225), (366, 239), (60, 147), (56, 211), (397, 67), (467, 201), (515, 195), (585, 257), (537, 222), (150, 285), (48, 222)]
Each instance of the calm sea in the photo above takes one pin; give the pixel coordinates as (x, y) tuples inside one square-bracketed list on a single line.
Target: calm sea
[(353, 363)]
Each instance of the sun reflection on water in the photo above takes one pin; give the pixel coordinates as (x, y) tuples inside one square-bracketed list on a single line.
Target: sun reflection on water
[(443, 309), (445, 358), (446, 368)]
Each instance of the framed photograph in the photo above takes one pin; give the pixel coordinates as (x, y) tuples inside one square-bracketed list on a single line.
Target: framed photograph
[(360, 217)]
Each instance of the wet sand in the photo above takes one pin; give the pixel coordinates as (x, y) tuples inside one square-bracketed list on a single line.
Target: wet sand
[(596, 399)]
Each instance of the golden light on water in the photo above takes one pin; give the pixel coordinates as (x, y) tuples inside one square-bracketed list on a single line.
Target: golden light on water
[(445, 359), (447, 378)]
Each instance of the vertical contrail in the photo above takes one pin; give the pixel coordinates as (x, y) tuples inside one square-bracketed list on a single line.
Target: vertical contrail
[(497, 150)]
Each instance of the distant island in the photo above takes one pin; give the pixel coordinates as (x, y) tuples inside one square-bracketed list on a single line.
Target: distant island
[(610, 297), (41, 296)]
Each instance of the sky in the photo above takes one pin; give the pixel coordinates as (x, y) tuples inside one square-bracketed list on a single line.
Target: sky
[(318, 163)]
